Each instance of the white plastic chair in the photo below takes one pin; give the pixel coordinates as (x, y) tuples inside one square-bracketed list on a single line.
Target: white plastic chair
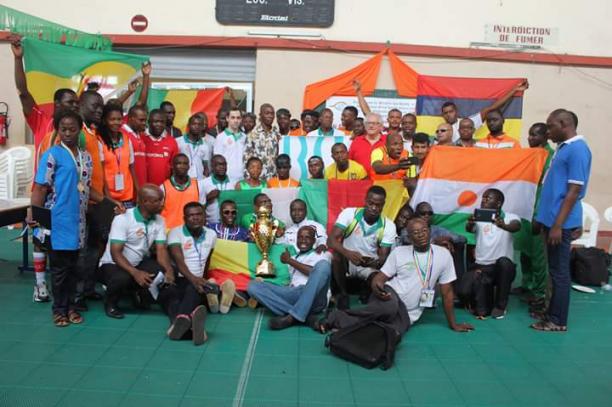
[(20, 171), (590, 226)]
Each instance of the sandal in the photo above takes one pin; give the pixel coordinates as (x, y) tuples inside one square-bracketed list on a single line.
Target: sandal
[(74, 317), (548, 326), (60, 320)]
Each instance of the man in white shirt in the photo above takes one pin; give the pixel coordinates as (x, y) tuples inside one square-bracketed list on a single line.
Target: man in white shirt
[(404, 287), (487, 285), (231, 144), (361, 240), (126, 265), (307, 293), (213, 185), (190, 246), (298, 211), (196, 148)]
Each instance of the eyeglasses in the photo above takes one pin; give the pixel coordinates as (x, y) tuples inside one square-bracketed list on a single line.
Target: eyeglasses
[(441, 130), (229, 212), (372, 123)]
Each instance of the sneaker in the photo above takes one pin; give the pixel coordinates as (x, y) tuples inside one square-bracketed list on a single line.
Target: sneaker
[(228, 290), (181, 324), (41, 294), (498, 313)]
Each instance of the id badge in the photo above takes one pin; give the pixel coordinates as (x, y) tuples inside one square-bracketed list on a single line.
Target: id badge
[(119, 182), (427, 298)]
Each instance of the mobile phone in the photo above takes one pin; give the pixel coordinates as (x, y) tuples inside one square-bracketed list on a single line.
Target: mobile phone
[(484, 215), (413, 160)]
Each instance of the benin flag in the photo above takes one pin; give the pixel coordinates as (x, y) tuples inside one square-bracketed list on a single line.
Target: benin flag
[(53, 66), (188, 102), (471, 95), (238, 260), (453, 180)]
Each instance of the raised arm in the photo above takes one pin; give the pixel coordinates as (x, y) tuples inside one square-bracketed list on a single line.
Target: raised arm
[(132, 86), (146, 83), (363, 105), (26, 98), (499, 103), (233, 103)]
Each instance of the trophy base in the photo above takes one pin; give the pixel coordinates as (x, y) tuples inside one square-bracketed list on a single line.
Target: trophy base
[(265, 269)]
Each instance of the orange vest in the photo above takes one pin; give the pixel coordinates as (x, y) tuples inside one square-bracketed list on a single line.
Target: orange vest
[(118, 162), (175, 200), (387, 160), (91, 145)]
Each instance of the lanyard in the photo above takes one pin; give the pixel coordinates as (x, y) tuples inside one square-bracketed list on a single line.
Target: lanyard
[(78, 166), (117, 149), (196, 246), (424, 273), (179, 187), (223, 184)]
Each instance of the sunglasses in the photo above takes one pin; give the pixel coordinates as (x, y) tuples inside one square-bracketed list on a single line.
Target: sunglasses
[(229, 212), (441, 131)]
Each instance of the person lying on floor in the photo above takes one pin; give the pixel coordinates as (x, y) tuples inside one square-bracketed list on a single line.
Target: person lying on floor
[(404, 287), (307, 294)]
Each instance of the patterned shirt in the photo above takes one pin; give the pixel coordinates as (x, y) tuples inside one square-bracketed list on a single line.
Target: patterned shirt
[(263, 144), (237, 233)]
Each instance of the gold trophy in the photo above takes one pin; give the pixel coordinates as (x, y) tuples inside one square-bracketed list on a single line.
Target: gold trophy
[(263, 233)]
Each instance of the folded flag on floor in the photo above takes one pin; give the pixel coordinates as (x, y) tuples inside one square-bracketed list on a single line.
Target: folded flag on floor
[(453, 182)]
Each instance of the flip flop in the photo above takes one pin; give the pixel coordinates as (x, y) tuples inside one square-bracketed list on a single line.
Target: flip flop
[(74, 317), (228, 290), (212, 296), (240, 299), (548, 326), (198, 318), (60, 321), (181, 324)]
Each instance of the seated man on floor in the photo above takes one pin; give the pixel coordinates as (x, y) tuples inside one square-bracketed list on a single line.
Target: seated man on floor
[(298, 211), (227, 229), (126, 266), (190, 246), (260, 200), (307, 294), (361, 240), (486, 286), (405, 287)]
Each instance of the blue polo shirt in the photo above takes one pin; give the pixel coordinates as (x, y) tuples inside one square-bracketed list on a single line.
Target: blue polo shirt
[(571, 164)]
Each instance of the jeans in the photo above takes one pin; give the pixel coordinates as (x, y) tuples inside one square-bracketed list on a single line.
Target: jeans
[(299, 301), (559, 270), (63, 265)]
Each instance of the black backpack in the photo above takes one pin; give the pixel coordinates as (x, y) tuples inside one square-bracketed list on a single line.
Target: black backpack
[(589, 266), (367, 343)]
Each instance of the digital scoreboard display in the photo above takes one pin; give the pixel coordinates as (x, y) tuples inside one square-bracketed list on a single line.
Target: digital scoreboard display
[(283, 13)]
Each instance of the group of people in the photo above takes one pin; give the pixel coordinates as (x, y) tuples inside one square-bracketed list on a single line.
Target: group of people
[(135, 205)]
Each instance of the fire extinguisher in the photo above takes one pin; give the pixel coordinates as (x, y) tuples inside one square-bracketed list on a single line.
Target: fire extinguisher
[(4, 123)]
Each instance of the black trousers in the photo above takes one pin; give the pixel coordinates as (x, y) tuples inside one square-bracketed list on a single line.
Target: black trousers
[(391, 312), (181, 298), (119, 282), (63, 265), (489, 288)]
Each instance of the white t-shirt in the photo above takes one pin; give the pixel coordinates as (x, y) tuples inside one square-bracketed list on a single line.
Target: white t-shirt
[(231, 147), (210, 141), (406, 279), (201, 190), (363, 239), (199, 155), (209, 185), (476, 118), (136, 234), (332, 133), (195, 252), (310, 258), (492, 242), (290, 236)]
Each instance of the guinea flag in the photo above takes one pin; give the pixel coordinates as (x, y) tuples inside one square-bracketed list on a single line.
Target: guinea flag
[(453, 180)]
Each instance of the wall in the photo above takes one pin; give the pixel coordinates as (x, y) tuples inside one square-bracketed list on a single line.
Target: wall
[(282, 76), (441, 22)]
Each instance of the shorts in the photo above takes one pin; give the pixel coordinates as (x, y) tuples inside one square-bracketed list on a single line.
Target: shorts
[(359, 271)]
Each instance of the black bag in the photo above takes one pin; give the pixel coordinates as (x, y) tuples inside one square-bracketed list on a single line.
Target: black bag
[(368, 343), (589, 266)]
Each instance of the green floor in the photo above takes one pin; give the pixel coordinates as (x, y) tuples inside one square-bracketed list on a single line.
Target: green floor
[(129, 362)]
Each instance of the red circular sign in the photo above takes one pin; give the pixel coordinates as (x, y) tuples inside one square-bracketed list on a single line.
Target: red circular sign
[(139, 23)]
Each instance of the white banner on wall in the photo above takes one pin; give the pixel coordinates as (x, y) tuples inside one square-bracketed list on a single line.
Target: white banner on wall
[(380, 105)]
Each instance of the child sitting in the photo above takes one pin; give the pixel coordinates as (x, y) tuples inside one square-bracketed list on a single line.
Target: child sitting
[(254, 168), (282, 180)]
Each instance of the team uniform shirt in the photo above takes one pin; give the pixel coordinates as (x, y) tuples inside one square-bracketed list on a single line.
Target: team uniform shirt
[(199, 155), (504, 141), (290, 236), (210, 184), (381, 154), (117, 173), (236, 233), (331, 133), (62, 173), (195, 250), (361, 150), (344, 131), (476, 118), (140, 151), (159, 156), (92, 146), (493, 242), (210, 142), (231, 146), (137, 235), (175, 131), (402, 267), (551, 152), (309, 258), (177, 196), (276, 182), (41, 125), (354, 171), (571, 164)]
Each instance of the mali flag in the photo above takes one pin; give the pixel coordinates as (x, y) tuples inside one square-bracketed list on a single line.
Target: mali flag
[(187, 102)]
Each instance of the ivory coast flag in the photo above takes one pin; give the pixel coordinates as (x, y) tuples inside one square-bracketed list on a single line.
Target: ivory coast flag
[(453, 180), (301, 148), (237, 261), (52, 66), (187, 102)]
